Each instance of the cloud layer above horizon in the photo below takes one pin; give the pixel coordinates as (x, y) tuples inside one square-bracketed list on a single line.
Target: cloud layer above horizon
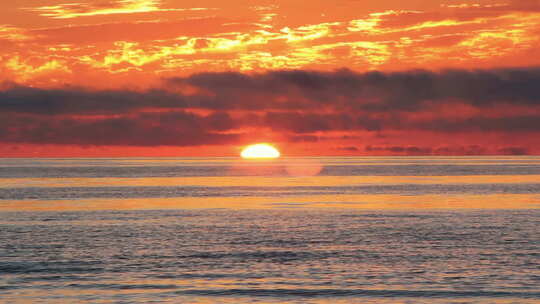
[(412, 112)]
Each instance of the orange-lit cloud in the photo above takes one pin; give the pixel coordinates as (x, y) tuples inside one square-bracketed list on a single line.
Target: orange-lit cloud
[(450, 36), (110, 7), (13, 34)]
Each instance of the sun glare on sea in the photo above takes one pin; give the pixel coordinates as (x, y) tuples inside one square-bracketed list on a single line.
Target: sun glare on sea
[(260, 151)]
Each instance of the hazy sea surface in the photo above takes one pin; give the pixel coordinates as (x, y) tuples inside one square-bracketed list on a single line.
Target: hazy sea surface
[(309, 230)]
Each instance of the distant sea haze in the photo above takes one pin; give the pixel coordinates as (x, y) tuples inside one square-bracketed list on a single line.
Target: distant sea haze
[(293, 230)]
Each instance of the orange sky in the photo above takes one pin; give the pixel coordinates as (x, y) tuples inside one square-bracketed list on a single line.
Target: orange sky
[(56, 53)]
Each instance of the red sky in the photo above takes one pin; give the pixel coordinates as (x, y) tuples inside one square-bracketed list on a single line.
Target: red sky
[(342, 77)]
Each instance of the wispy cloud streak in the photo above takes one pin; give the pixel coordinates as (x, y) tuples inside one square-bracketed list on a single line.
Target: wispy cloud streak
[(111, 7)]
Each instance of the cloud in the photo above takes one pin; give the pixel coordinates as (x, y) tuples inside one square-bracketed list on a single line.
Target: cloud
[(517, 123), (446, 150), (514, 151), (372, 91), (304, 138), (11, 33), (307, 123), (234, 37), (144, 31), (511, 5), (292, 91), (408, 150), (301, 106), (25, 70), (19, 99), (107, 7), (348, 149), (460, 150), (144, 129)]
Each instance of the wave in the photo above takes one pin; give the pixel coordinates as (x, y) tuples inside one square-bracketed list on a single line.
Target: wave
[(418, 169), (358, 293), (68, 193)]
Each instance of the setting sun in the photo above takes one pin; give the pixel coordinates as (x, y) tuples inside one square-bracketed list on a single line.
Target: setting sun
[(260, 151)]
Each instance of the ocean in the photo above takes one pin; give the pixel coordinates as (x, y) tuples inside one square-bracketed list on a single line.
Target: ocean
[(293, 230)]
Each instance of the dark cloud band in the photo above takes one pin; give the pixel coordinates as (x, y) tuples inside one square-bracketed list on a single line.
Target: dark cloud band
[(297, 103)]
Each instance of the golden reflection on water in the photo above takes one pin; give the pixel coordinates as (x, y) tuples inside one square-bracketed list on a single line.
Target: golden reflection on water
[(172, 292), (378, 201), (72, 295), (261, 181)]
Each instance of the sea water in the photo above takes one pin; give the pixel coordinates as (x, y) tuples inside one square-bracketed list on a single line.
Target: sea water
[(310, 230)]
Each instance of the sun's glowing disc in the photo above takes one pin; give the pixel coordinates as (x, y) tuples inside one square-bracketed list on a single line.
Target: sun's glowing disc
[(260, 151)]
